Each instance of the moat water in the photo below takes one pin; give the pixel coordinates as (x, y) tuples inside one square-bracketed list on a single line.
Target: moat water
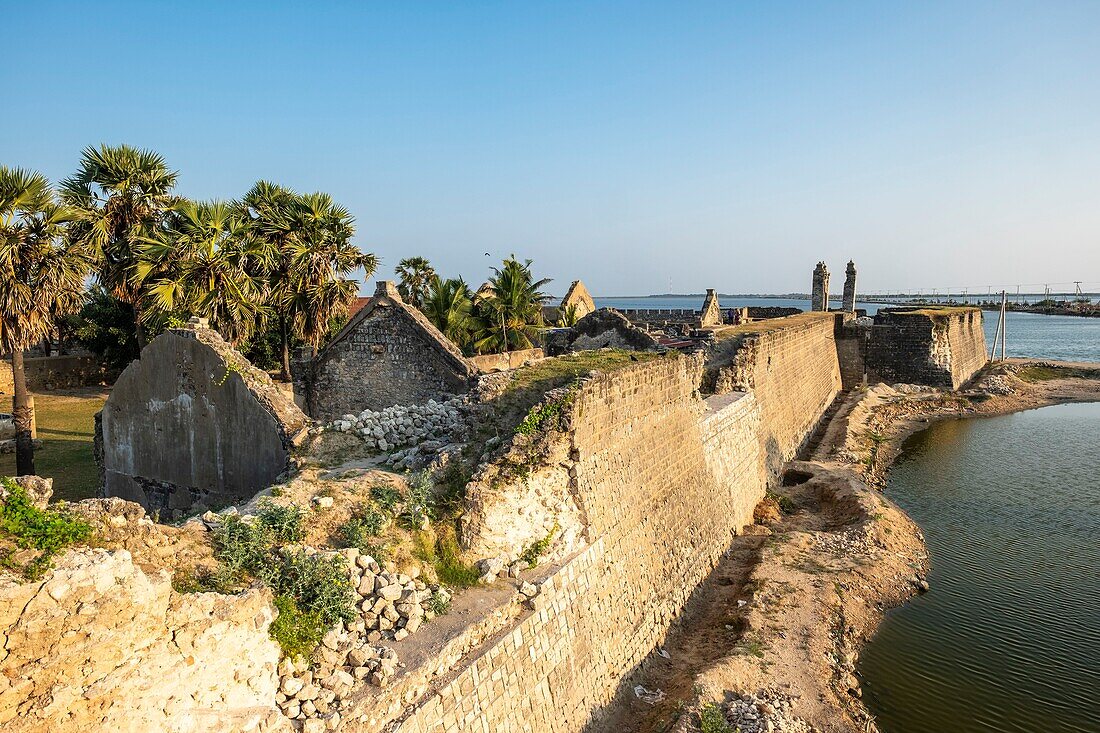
[(1008, 638)]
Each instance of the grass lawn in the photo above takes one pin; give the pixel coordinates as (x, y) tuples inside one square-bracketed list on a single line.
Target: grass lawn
[(66, 424)]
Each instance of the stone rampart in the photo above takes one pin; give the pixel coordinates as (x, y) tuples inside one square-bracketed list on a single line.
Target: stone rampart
[(940, 347), (660, 481), (790, 365), (192, 424), (487, 363)]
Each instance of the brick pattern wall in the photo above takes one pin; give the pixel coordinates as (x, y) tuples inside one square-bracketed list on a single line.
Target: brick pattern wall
[(386, 360), (794, 373), (920, 347), (664, 484)]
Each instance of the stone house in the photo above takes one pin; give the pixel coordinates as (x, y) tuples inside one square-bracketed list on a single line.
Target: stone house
[(389, 353)]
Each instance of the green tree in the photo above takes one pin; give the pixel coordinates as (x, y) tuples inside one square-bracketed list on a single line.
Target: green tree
[(122, 195), (203, 263), (510, 308), (449, 305), (322, 260), (105, 325), (416, 277), (41, 275)]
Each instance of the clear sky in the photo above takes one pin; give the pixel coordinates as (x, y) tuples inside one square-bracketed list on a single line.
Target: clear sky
[(728, 145)]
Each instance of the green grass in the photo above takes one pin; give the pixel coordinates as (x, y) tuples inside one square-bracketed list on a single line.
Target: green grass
[(1047, 373), (66, 426), (439, 548)]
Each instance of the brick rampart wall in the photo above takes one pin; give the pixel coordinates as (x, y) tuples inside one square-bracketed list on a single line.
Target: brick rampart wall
[(664, 482), (939, 348)]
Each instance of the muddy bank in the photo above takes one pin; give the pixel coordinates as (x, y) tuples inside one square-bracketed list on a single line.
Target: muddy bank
[(827, 567)]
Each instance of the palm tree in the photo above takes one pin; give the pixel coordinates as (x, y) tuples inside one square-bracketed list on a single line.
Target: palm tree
[(122, 195), (41, 276), (416, 275), (269, 210), (204, 264), (449, 305), (510, 308), (321, 259)]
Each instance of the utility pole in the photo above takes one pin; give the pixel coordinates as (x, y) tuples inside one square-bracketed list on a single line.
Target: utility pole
[(1004, 321)]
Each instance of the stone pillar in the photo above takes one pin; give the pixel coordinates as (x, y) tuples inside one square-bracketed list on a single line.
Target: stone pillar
[(850, 288), (712, 312), (819, 298), (387, 289)]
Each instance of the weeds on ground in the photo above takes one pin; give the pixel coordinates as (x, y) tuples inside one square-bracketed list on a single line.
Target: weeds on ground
[(712, 719), (439, 548), (786, 503), (285, 522), (298, 632), (45, 530)]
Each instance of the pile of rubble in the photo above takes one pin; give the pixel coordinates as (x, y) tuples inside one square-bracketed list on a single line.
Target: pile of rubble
[(393, 604), (402, 425), (765, 712)]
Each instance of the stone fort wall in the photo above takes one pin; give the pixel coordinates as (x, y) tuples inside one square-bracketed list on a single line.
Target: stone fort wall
[(942, 347), (792, 368), (662, 480)]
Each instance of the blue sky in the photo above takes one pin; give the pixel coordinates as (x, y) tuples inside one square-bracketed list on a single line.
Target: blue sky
[(727, 145)]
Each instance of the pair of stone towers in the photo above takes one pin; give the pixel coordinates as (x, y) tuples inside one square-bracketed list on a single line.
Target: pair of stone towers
[(819, 297)]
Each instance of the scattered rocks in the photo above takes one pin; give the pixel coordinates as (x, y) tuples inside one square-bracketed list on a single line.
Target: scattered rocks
[(768, 711), (425, 428)]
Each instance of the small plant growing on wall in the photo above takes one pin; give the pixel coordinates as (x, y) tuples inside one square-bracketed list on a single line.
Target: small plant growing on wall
[(28, 527)]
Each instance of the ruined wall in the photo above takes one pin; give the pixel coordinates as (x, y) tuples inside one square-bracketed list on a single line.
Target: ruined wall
[(503, 362), (791, 366), (941, 347), (388, 357), (70, 371), (662, 482), (102, 646), (192, 424)]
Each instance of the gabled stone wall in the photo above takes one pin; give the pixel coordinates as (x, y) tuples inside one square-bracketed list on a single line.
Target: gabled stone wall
[(192, 425), (388, 354)]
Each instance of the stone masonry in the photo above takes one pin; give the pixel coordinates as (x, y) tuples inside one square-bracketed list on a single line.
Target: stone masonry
[(192, 425), (850, 288), (712, 312), (940, 347), (388, 354), (819, 294)]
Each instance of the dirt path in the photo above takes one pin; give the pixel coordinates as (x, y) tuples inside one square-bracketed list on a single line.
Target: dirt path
[(706, 632)]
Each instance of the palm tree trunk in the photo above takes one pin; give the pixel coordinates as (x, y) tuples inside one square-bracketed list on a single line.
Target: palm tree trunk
[(140, 329), (23, 414), (285, 337)]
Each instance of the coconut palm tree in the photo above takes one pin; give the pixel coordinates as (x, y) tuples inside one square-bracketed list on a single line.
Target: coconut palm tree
[(510, 308), (449, 305), (416, 276), (41, 276), (203, 263), (122, 195)]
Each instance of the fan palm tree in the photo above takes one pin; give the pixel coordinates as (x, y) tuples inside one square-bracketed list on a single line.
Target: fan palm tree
[(449, 305), (269, 210), (510, 308), (41, 276), (204, 264), (122, 195), (416, 276), (321, 259)]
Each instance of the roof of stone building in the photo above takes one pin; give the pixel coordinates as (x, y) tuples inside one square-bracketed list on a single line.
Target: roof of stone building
[(356, 306), (579, 296), (386, 296)]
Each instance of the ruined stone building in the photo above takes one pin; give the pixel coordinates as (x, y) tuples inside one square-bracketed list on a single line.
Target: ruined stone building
[(712, 312), (819, 294), (389, 353), (850, 288), (191, 424)]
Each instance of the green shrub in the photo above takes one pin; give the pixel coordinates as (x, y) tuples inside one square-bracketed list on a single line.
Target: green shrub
[(441, 551), (439, 603), (386, 497), (205, 580), (713, 720), (547, 414), (419, 503), (285, 522), (298, 632), (45, 530), (362, 529), (244, 547), (319, 584), (537, 549)]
